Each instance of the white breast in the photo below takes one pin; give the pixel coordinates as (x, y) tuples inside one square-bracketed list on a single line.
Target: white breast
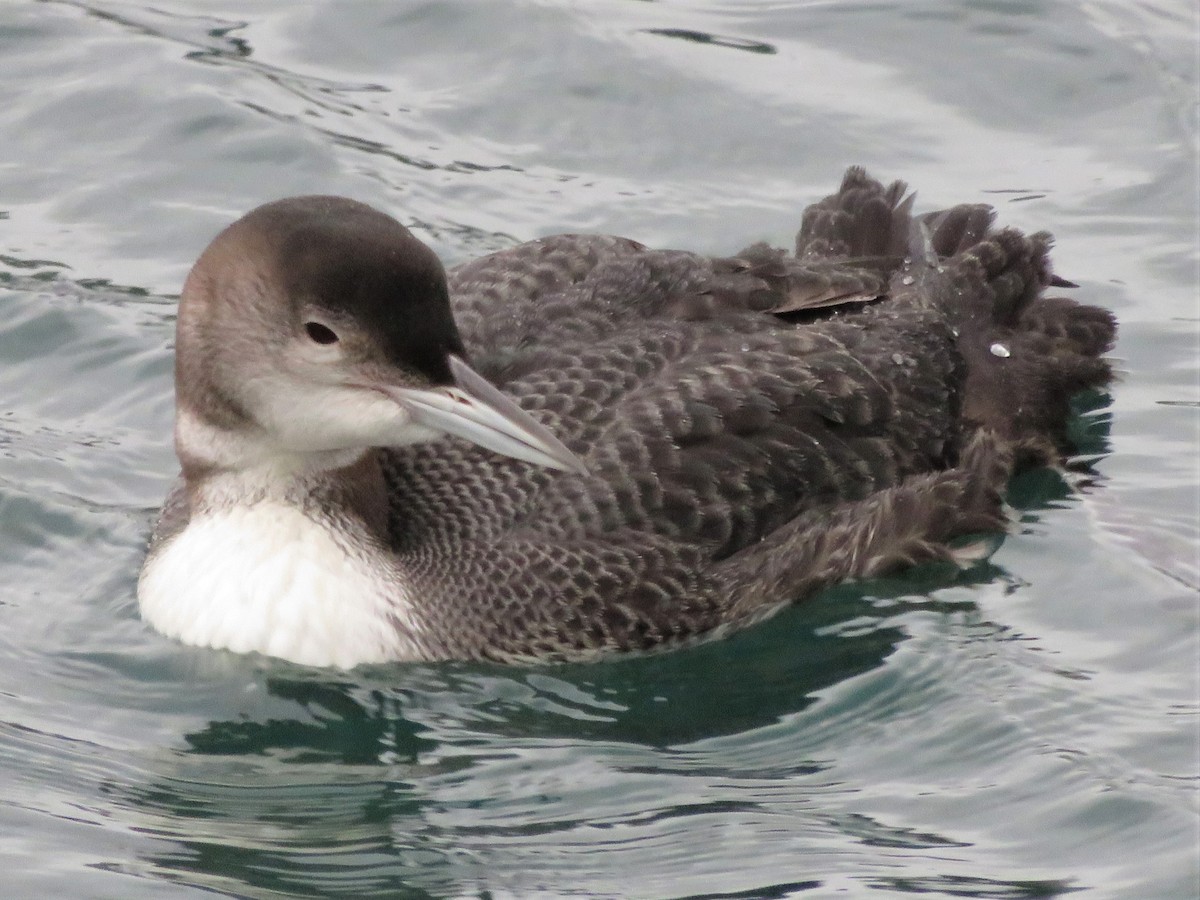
[(267, 578)]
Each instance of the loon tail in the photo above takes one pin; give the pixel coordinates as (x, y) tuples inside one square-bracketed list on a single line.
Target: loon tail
[(1024, 355)]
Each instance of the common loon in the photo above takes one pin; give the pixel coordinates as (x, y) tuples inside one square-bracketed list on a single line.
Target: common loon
[(647, 447)]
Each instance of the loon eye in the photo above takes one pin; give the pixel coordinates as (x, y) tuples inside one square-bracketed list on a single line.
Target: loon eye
[(320, 334)]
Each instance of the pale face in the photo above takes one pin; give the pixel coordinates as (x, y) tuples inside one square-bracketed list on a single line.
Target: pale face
[(328, 389)]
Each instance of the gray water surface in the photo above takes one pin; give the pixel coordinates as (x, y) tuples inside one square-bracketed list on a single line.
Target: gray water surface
[(1025, 729)]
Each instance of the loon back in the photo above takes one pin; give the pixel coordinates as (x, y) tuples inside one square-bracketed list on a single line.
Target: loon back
[(736, 433)]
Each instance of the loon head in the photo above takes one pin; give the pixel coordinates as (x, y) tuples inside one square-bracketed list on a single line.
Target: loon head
[(315, 328)]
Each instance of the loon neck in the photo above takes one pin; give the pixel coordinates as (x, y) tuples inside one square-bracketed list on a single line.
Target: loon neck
[(294, 564), (226, 468), (352, 497)]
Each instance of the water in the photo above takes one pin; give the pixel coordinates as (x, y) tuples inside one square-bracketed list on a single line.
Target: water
[(1026, 730)]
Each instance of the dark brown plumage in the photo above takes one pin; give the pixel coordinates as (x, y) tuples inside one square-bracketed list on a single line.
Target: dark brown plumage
[(755, 427)]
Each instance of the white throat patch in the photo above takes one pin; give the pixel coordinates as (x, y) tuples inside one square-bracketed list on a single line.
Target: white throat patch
[(266, 578)]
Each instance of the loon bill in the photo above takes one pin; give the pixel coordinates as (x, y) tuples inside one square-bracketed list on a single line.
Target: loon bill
[(580, 445)]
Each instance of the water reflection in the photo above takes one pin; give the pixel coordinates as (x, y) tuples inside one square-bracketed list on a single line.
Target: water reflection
[(460, 777), (740, 683)]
